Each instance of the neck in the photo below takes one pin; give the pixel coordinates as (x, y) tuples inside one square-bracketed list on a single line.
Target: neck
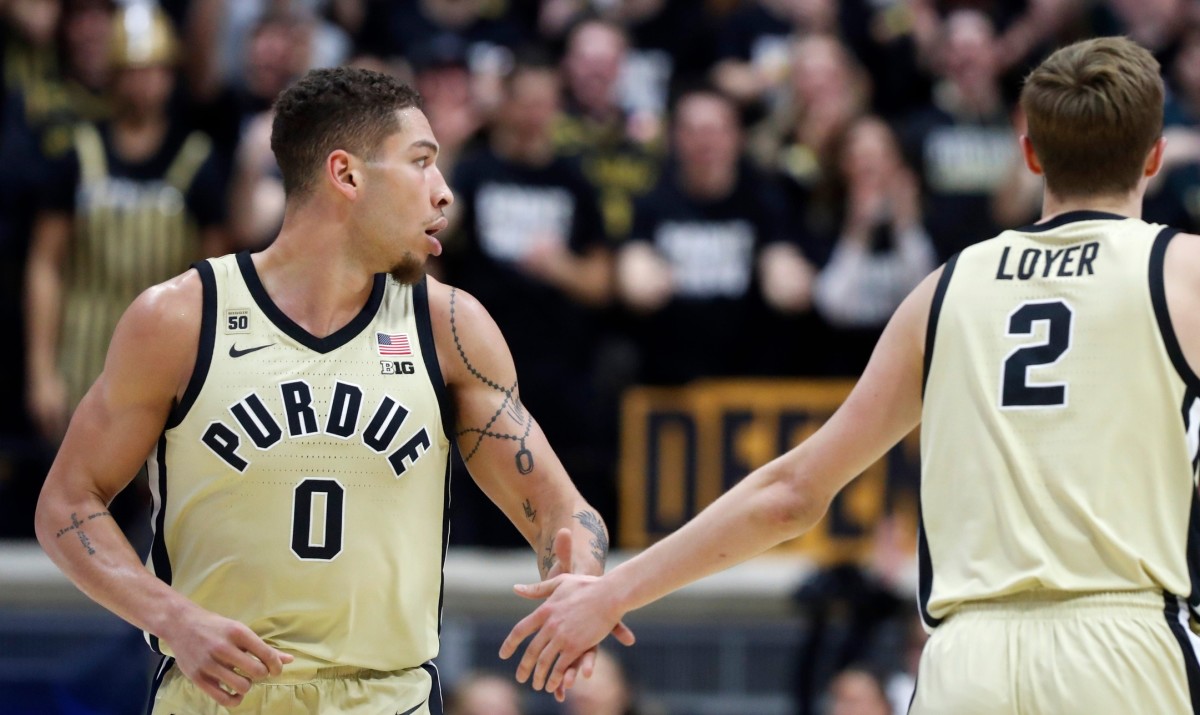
[(311, 272), (137, 138), (709, 185), (1123, 205)]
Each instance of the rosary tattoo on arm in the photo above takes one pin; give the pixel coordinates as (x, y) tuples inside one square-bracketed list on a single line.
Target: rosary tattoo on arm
[(510, 405)]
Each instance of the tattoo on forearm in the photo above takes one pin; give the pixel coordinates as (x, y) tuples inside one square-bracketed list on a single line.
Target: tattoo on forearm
[(77, 527), (511, 405), (591, 521), (548, 559), (530, 512)]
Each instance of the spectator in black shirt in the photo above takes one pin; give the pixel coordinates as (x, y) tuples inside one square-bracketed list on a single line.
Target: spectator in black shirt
[(701, 242), (531, 248)]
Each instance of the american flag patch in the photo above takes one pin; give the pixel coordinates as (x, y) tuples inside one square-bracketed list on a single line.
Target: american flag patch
[(393, 343)]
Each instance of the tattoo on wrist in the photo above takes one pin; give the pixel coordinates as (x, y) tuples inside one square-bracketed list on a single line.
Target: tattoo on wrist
[(548, 559), (77, 527), (590, 520), (510, 405), (530, 512)]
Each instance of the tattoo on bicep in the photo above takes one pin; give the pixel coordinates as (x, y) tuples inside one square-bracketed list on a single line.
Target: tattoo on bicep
[(510, 405), (77, 527), (548, 559), (591, 521), (530, 512)]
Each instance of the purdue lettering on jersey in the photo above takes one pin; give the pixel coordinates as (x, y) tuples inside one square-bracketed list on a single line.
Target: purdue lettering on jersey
[(1060, 429), (301, 489)]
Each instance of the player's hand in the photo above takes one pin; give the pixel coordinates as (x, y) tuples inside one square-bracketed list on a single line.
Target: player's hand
[(221, 656), (571, 623)]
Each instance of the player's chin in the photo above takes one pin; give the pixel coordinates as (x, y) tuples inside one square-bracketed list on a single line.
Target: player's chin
[(409, 270)]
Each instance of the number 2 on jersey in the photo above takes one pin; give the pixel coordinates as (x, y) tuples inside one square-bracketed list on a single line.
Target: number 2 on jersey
[(1016, 392)]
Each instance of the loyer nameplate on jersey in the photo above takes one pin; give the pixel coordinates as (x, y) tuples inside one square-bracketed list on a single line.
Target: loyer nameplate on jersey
[(254, 422)]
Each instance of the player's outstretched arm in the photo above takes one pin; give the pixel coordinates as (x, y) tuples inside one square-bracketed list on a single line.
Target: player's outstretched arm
[(776, 502), (505, 449), (116, 425)]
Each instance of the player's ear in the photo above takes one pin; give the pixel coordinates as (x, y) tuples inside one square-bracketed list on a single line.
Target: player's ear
[(1154, 160), (342, 170), (1030, 156)]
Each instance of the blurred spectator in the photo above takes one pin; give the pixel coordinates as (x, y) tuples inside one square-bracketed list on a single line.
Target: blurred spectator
[(620, 155), (278, 49), (705, 242), (963, 144), (753, 45), (483, 693), (828, 91), (858, 690), (136, 202), (882, 251), (607, 692), (531, 249), (449, 93), (1173, 198), (892, 39)]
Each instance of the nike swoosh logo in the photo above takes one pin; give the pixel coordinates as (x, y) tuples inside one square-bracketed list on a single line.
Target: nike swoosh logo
[(235, 353), (412, 709)]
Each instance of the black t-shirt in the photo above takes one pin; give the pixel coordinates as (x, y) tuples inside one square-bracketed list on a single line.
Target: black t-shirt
[(507, 209), (960, 163), (205, 197), (709, 326)]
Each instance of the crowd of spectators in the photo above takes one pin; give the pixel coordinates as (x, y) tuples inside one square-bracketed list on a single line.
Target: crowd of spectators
[(649, 191)]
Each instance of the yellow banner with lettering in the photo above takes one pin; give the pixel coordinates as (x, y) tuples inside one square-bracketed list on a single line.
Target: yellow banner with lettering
[(682, 447)]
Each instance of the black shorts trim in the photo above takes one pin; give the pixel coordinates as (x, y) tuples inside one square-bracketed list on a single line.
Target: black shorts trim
[(1190, 663), (435, 690), (159, 674)]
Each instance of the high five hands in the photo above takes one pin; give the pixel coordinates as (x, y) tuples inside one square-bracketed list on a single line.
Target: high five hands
[(576, 616)]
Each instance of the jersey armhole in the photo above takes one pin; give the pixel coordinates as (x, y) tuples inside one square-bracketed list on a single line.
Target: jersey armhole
[(935, 310), (208, 329), (1158, 298), (429, 356)]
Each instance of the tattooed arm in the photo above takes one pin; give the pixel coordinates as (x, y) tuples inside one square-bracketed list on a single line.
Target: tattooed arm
[(501, 443), (114, 428)]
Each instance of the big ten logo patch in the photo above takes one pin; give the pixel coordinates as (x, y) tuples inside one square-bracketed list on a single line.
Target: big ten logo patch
[(237, 320), (681, 448), (396, 367)]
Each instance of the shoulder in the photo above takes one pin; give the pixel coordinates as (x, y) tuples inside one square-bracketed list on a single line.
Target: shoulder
[(465, 334), (154, 347)]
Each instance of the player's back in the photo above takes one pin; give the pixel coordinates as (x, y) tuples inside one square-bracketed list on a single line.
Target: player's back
[(1060, 420)]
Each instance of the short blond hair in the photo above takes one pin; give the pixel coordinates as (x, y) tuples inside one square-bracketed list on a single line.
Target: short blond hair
[(1095, 110)]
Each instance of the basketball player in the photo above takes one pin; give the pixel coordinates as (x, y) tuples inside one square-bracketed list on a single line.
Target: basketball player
[(1053, 369), (297, 407)]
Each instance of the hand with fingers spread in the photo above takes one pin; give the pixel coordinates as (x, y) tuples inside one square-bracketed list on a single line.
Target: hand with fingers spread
[(566, 630), (223, 657)]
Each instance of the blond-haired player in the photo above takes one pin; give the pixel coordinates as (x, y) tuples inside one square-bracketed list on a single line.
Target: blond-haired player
[(1053, 372)]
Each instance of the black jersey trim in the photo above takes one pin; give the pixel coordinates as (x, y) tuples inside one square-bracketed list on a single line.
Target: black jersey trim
[(204, 349), (158, 546), (1158, 296), (330, 342), (1190, 663), (1071, 217), (935, 311), (429, 355), (924, 572), (1193, 552)]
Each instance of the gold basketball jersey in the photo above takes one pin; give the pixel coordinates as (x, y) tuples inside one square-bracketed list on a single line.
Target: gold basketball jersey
[(301, 485), (1059, 429)]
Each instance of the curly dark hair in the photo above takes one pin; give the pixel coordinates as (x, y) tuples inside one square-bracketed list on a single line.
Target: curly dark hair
[(337, 108)]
